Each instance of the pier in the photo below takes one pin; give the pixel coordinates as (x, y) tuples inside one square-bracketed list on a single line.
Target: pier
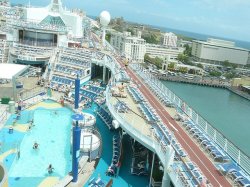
[(211, 83), (202, 82)]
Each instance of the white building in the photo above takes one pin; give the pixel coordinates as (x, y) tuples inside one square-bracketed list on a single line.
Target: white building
[(170, 39), (163, 52), (50, 25), (216, 51), (133, 47)]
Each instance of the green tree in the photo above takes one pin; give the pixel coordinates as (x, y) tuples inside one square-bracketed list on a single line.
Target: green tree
[(171, 66), (234, 65), (183, 58), (188, 50), (183, 69), (230, 75), (108, 37), (150, 38), (156, 61), (225, 63), (131, 30), (215, 73), (200, 65)]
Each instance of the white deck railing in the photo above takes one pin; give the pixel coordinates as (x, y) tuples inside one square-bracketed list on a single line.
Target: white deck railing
[(232, 150)]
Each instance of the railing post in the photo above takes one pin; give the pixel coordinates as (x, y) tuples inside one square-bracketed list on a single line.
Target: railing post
[(197, 119), (225, 146), (215, 135), (206, 127), (239, 156)]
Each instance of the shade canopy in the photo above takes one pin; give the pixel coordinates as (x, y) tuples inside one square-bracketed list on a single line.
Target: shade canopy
[(7, 71)]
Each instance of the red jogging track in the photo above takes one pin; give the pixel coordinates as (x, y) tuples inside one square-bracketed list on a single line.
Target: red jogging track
[(195, 153)]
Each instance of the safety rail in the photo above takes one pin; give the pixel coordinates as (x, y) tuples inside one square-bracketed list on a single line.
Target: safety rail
[(3, 116), (155, 184), (24, 95), (33, 24), (232, 150), (154, 146)]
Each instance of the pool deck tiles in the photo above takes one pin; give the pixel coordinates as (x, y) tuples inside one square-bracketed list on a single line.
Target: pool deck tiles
[(45, 105), (7, 153), (49, 182), (19, 127)]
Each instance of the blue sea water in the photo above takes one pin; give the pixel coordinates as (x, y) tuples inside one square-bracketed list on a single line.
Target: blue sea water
[(224, 110), (204, 37)]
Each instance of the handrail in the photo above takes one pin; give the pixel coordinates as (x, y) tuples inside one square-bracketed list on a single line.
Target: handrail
[(221, 140), (137, 135), (3, 116)]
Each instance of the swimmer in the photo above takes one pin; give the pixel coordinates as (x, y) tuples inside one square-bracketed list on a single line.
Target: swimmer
[(50, 169), (11, 130), (35, 146)]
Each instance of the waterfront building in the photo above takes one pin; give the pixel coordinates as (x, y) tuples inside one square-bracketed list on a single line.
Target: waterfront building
[(216, 51), (170, 39), (182, 43), (183, 67), (244, 81), (132, 47), (164, 52)]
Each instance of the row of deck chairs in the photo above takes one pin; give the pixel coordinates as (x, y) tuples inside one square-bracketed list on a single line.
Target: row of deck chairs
[(117, 145), (189, 174), (96, 182), (62, 80), (124, 77), (154, 88), (69, 71), (148, 112), (77, 52), (73, 61), (214, 150), (165, 137), (88, 94), (136, 94), (32, 50), (121, 107), (161, 95), (105, 117), (95, 89), (238, 176)]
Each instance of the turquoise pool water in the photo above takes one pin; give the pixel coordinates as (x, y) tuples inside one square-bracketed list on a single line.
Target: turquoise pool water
[(52, 133)]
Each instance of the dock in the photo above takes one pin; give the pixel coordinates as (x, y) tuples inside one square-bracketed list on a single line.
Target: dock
[(212, 83)]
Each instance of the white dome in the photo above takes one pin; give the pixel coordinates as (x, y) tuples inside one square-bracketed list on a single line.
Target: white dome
[(104, 18)]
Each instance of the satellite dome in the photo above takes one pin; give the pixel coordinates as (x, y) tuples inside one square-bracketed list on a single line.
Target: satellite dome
[(104, 18)]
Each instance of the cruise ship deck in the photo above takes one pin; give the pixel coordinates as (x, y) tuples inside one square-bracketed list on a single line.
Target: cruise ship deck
[(141, 131)]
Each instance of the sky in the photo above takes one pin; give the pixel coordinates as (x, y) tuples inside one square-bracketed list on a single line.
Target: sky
[(223, 18)]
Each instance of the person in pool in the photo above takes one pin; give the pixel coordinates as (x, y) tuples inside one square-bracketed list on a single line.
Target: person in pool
[(50, 169), (35, 146)]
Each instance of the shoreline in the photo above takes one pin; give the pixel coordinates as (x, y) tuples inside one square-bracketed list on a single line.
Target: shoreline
[(207, 84)]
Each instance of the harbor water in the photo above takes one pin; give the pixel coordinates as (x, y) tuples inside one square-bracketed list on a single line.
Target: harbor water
[(224, 110)]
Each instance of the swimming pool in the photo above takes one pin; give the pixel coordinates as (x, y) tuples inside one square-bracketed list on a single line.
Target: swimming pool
[(52, 131)]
